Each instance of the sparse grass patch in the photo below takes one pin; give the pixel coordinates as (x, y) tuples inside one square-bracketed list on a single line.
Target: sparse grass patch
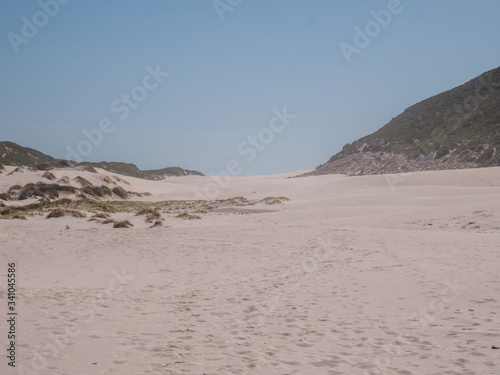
[(273, 200), (63, 180), (157, 224), (49, 176), (8, 213), (62, 202), (100, 210), (95, 191), (5, 197), (41, 189), (121, 192), (107, 180), (14, 189), (152, 214), (89, 168), (18, 216), (156, 215), (101, 215), (83, 181), (123, 224), (103, 207), (145, 211), (77, 214), (59, 212), (187, 216)]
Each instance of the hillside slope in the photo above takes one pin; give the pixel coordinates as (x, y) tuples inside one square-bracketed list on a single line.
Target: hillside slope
[(14, 154), (459, 128)]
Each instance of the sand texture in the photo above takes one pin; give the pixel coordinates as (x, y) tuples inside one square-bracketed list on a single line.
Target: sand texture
[(351, 275)]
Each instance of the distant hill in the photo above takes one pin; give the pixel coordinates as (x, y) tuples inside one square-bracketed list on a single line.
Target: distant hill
[(14, 154), (133, 171), (459, 128)]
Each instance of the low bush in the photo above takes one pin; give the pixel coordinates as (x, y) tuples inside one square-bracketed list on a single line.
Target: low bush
[(82, 181), (157, 224), (187, 216), (95, 191), (59, 212), (121, 192), (14, 189), (41, 189), (123, 224), (49, 176)]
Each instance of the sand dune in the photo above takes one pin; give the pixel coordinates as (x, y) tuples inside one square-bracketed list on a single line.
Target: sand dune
[(352, 275)]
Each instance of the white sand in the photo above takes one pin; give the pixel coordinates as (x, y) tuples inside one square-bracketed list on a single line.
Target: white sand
[(351, 276)]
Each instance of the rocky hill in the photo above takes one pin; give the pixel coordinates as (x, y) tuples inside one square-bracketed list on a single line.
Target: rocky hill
[(14, 154), (459, 128)]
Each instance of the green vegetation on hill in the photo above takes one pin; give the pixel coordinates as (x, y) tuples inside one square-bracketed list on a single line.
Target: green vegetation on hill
[(14, 154), (132, 170)]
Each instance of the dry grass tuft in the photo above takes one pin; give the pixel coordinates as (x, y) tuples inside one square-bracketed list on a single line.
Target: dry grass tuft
[(83, 181), (123, 224), (145, 211), (59, 212), (274, 200), (152, 214), (121, 192), (187, 216), (89, 168), (49, 176), (157, 224), (17, 216), (5, 197), (101, 215), (156, 215)]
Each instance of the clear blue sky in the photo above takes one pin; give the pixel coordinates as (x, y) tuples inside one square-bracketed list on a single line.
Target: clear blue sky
[(227, 76)]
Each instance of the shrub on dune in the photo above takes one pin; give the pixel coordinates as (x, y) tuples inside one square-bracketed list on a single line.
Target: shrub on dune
[(156, 215), (5, 197), (59, 212), (187, 216), (95, 191), (18, 216), (101, 215), (49, 176), (121, 192), (123, 224), (82, 181), (157, 224), (41, 189)]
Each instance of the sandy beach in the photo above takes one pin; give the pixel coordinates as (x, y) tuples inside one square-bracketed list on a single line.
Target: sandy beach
[(351, 275)]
